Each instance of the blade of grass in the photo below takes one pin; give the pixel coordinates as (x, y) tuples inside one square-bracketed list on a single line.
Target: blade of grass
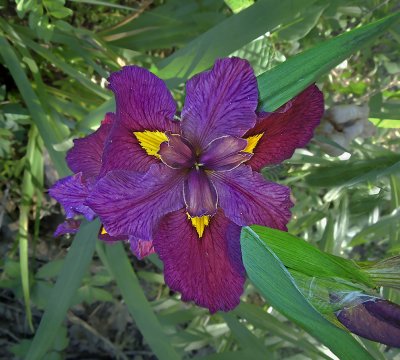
[(395, 204), (277, 286), (105, 3), (283, 82), (301, 256), (66, 68), (116, 260), (201, 53), (75, 266), (275, 86), (34, 105), (247, 340), (228, 36), (263, 320), (27, 192), (353, 172)]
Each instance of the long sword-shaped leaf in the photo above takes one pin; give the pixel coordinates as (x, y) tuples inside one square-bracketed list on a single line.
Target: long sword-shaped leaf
[(278, 85), (75, 266), (247, 340), (220, 41), (284, 81), (118, 264), (299, 255), (228, 36), (33, 104), (277, 286), (33, 160)]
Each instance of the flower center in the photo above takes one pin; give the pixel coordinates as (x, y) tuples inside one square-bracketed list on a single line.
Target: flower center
[(222, 154)]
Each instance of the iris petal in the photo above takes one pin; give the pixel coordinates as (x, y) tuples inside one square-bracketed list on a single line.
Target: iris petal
[(286, 129), (248, 199), (377, 320), (85, 155), (200, 223), (220, 102), (71, 192), (199, 194), (133, 203), (224, 153), (177, 153), (141, 248), (143, 103), (69, 226), (150, 141), (208, 271)]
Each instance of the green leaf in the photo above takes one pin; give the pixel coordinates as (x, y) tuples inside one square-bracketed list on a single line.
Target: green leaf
[(61, 13), (66, 68), (297, 254), (119, 266), (171, 24), (261, 319), (246, 339), (377, 230), (238, 5), (75, 266), (90, 294), (386, 123), (33, 103), (353, 172), (227, 37), (303, 24), (277, 286), (30, 181), (283, 82)]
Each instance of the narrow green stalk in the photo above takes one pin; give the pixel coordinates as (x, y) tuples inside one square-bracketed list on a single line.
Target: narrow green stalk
[(117, 262), (23, 227), (75, 266)]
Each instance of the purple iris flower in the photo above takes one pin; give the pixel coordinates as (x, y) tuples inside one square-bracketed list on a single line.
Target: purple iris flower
[(372, 318), (85, 161), (185, 188)]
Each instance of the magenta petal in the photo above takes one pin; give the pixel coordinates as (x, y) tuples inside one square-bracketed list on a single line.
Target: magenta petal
[(132, 203), (123, 151), (199, 194), (220, 102), (248, 199), (111, 239), (141, 248), (143, 101), (286, 129), (69, 226), (208, 271), (224, 153), (376, 320), (71, 192), (177, 153), (85, 156)]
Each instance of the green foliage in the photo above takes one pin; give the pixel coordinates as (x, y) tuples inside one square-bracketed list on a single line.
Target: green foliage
[(169, 25), (55, 58), (280, 290), (75, 266), (276, 88), (299, 255)]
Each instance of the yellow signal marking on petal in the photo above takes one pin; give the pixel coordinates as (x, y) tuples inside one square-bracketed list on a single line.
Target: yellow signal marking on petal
[(199, 223), (252, 142), (150, 141), (103, 231)]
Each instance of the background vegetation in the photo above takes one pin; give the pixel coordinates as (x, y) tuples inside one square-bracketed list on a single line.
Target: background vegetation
[(94, 302)]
